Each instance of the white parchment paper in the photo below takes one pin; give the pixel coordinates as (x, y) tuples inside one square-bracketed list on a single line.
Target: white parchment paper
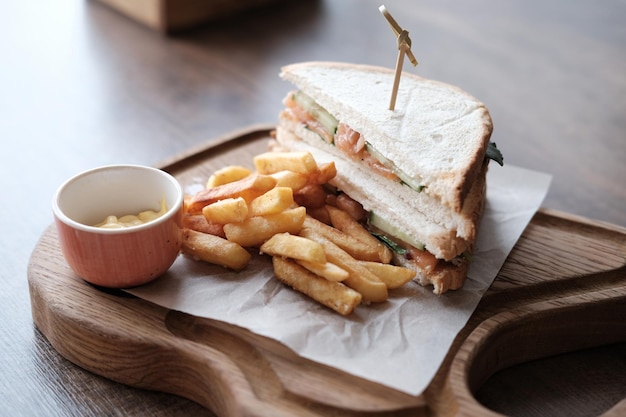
[(400, 343)]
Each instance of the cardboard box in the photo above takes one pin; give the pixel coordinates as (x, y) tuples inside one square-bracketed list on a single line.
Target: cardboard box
[(174, 15)]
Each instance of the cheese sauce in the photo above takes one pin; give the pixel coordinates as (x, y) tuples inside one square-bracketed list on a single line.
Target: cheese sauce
[(129, 220)]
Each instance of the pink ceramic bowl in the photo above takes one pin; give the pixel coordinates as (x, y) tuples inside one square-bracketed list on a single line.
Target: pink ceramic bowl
[(126, 257)]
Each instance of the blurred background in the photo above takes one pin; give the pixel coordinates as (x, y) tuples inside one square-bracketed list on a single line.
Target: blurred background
[(78, 77)]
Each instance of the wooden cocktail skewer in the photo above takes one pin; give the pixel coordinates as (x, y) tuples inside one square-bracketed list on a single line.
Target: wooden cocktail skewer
[(404, 48)]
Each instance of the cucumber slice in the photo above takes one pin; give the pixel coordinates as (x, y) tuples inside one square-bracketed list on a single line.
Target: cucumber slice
[(411, 182), (316, 111), (379, 157), (391, 230)]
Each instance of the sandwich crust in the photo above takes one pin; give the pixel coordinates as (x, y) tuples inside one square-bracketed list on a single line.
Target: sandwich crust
[(446, 276)]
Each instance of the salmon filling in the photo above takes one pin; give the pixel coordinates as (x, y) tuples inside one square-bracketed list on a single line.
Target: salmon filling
[(346, 139)]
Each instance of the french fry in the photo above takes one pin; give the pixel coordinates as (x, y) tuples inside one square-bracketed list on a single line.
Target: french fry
[(310, 196), (353, 246), (319, 213), (274, 201), (325, 172), (360, 278), (393, 276), (199, 223), (326, 270), (334, 295), (227, 174), (293, 180), (272, 162), (343, 221), (352, 207), (295, 247), (186, 200), (215, 250), (229, 210), (317, 243), (248, 188), (253, 231)]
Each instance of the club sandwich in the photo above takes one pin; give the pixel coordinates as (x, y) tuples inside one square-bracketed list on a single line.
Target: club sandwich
[(419, 171)]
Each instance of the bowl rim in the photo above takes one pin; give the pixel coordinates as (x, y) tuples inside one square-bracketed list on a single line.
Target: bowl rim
[(171, 211)]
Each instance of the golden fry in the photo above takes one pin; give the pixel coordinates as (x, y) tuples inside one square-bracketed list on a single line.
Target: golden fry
[(325, 172), (272, 162), (227, 174), (248, 188), (360, 278), (326, 270), (199, 223), (310, 196), (293, 180), (186, 200), (317, 244), (275, 200), (393, 276), (253, 231), (354, 247), (215, 250), (334, 295), (343, 221), (352, 207), (230, 210), (319, 213), (295, 247)]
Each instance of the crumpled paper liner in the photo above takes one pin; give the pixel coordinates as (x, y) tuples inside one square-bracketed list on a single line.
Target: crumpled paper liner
[(400, 343)]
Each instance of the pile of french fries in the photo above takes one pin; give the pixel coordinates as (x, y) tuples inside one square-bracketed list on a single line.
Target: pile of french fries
[(282, 209)]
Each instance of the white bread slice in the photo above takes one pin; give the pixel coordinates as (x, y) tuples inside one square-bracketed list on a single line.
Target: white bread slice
[(394, 201), (437, 133)]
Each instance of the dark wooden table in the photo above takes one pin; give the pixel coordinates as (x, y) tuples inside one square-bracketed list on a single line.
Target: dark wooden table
[(83, 86)]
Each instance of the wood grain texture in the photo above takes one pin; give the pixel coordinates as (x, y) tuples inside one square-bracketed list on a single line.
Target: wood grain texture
[(567, 296)]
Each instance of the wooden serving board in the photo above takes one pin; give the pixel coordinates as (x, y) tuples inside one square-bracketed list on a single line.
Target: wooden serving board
[(562, 289)]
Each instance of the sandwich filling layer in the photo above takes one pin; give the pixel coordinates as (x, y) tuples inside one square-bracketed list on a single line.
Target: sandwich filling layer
[(302, 108), (311, 123), (394, 201)]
